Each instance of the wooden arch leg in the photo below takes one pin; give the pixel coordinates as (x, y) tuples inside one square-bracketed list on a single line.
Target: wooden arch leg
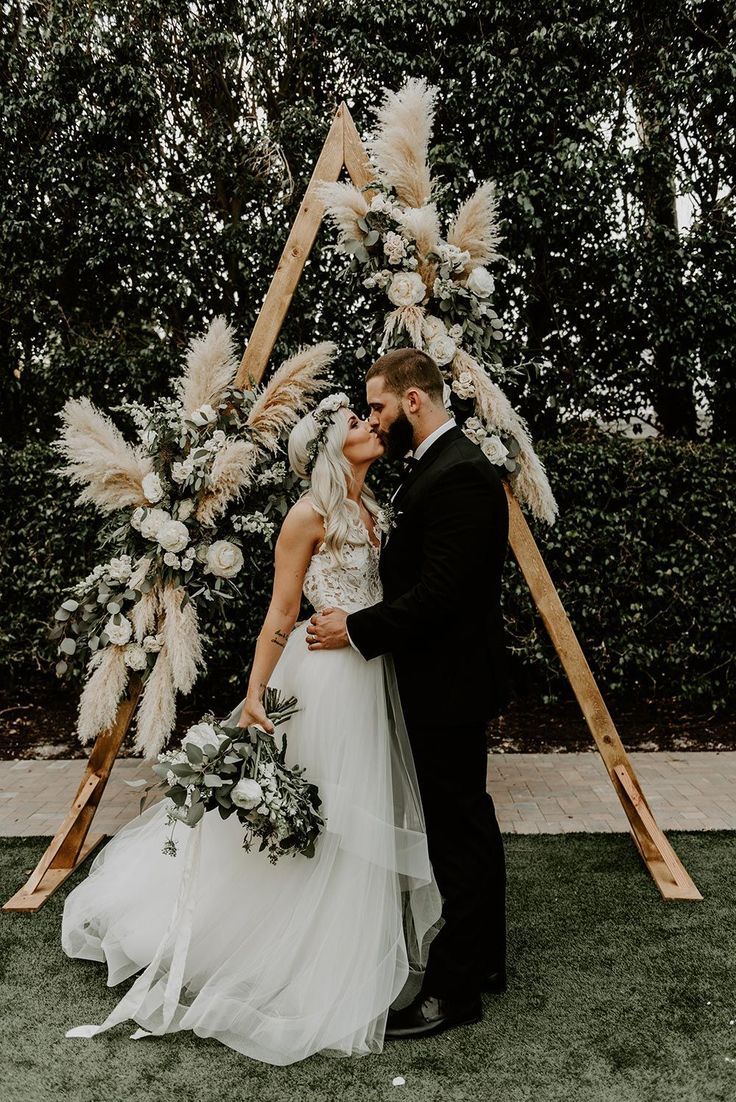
[(663, 863), (71, 845)]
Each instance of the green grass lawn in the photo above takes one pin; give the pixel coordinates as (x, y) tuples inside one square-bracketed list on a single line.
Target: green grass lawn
[(615, 996)]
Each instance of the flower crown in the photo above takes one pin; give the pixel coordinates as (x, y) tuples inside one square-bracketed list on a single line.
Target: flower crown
[(324, 416)]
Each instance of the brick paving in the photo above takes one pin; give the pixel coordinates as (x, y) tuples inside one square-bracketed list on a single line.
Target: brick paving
[(532, 793)]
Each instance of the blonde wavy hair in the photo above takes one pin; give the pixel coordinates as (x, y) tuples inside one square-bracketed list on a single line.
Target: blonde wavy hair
[(330, 479)]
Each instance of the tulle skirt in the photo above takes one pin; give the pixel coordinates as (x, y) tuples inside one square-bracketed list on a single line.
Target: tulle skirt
[(277, 961)]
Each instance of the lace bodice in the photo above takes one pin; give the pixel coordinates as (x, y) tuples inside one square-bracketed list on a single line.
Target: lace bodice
[(352, 585)]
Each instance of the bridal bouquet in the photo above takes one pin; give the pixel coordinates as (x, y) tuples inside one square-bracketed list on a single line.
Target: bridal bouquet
[(439, 288), (182, 501), (241, 771)]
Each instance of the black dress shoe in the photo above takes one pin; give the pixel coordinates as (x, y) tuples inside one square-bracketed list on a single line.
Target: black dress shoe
[(495, 982), (428, 1014)]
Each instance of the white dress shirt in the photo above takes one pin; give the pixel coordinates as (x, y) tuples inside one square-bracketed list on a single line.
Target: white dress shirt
[(429, 440), (417, 454)]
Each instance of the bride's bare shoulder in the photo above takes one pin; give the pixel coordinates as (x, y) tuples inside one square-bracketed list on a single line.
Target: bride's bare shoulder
[(304, 521)]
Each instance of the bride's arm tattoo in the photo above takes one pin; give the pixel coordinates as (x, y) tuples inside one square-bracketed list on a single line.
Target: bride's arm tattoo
[(280, 637)]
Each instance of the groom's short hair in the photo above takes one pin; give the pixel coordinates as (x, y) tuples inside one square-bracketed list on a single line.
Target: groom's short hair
[(402, 368)]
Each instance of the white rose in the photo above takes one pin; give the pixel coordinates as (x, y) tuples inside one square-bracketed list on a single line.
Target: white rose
[(119, 634), (215, 441), (456, 332), (200, 734), (480, 282), (494, 449), (152, 522), (247, 793), (394, 247), (224, 559), (474, 430), (406, 289), (135, 657), (205, 415), (180, 472), (432, 328), (119, 570), (464, 386), (173, 535), (136, 518), (378, 202), (442, 350), (171, 559), (185, 510), (153, 643), (152, 488), (333, 402)]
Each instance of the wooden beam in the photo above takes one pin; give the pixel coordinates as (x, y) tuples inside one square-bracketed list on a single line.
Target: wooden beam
[(296, 250), (661, 860), (70, 847)]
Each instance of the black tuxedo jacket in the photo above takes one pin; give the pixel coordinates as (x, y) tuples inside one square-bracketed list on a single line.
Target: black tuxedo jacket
[(441, 566)]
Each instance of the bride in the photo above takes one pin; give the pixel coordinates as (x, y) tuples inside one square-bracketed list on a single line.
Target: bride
[(307, 955)]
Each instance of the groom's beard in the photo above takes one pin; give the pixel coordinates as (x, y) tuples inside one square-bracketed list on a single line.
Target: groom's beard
[(398, 439)]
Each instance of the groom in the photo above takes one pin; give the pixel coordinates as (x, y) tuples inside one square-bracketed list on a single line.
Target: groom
[(440, 618)]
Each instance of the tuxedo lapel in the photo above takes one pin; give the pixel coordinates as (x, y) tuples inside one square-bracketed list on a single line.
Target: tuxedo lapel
[(423, 465)]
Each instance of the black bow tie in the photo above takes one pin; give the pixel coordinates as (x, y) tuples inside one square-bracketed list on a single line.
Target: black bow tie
[(409, 464)]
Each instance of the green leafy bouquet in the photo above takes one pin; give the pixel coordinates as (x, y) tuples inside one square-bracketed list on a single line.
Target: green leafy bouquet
[(241, 771)]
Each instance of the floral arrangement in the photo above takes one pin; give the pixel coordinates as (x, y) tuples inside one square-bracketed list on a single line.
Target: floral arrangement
[(324, 415), (176, 524), (241, 771), (439, 289)]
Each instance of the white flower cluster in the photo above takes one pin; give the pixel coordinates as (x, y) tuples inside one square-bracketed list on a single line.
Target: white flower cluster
[(394, 247), (198, 458), (454, 258), (159, 526), (256, 522), (275, 475), (383, 205), (464, 386), (379, 279), (442, 344), (491, 445), (116, 571), (264, 795)]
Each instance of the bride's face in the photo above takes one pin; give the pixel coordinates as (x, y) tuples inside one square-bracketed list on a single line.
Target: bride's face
[(361, 445)]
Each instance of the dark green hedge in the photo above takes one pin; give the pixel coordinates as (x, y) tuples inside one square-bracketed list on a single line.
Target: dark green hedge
[(640, 556)]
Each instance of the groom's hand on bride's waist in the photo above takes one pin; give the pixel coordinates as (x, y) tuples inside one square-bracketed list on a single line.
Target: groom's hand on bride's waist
[(327, 630)]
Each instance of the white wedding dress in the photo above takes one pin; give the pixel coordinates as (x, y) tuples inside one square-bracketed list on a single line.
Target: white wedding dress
[(280, 961)]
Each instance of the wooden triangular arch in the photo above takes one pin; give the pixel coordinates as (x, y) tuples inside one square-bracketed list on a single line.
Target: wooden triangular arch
[(71, 844)]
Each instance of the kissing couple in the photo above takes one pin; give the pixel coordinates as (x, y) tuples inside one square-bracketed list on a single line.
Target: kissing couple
[(397, 925)]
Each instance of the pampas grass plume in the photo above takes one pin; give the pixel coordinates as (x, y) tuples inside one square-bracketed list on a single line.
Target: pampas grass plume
[(156, 712), (211, 363), (97, 455), (475, 226), (287, 395), (400, 145), (98, 703)]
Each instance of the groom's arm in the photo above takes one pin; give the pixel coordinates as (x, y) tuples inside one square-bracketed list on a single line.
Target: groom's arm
[(465, 538)]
